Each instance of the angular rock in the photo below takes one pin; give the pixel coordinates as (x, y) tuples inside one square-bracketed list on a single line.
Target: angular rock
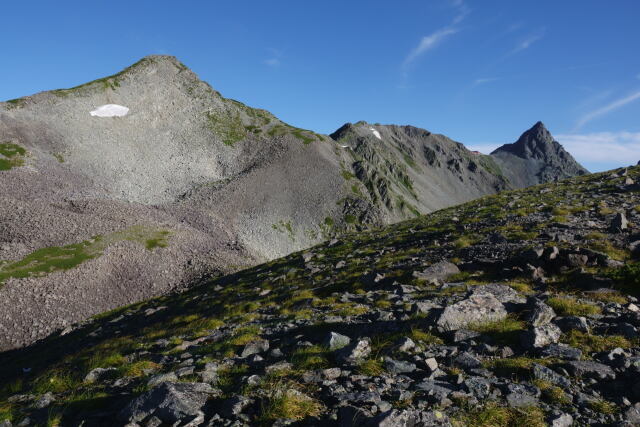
[(585, 368), (210, 373), (572, 323), (463, 335), (170, 402), (279, 366), (98, 373), (560, 420), (439, 389), (45, 400), (336, 341), (619, 223), (331, 373), (423, 307), (409, 418), (478, 386), (632, 415), (504, 294), (541, 372), (354, 352), (561, 351), (540, 313), (431, 364), (577, 260), (255, 347), (541, 336), (483, 307), (406, 345), (399, 366), (161, 378), (467, 361), (519, 395), (438, 271), (235, 406)]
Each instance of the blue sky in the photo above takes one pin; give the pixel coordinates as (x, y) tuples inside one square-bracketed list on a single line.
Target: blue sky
[(480, 72)]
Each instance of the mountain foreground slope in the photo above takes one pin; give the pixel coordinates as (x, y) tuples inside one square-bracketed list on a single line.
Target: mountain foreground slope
[(514, 309), (143, 182)]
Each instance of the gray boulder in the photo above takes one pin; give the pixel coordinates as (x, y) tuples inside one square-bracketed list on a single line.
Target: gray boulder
[(619, 223), (354, 352), (255, 347), (336, 341), (572, 323), (409, 418), (519, 395), (479, 307), (540, 313), (398, 366), (170, 402), (541, 372), (235, 406), (541, 336), (161, 378), (586, 368), (98, 373), (438, 271), (561, 351), (504, 294), (632, 415), (560, 420)]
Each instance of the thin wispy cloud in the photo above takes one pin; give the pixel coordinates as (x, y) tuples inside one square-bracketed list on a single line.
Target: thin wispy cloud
[(429, 42), (274, 59), (463, 11), (612, 106), (482, 81), (603, 148), (527, 42), (434, 39)]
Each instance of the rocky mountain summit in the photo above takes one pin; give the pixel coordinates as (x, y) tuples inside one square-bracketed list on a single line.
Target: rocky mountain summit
[(536, 157), (516, 309), (149, 180)]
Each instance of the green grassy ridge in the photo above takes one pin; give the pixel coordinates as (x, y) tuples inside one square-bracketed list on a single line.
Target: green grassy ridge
[(111, 82), (290, 292), (55, 258)]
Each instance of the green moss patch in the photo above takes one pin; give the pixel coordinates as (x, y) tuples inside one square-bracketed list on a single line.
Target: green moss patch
[(11, 156), (227, 125), (56, 258)]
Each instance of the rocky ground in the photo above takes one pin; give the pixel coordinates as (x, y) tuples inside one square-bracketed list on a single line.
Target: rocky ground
[(515, 309)]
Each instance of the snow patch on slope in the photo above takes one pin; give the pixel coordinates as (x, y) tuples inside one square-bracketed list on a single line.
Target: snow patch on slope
[(375, 133), (110, 110)]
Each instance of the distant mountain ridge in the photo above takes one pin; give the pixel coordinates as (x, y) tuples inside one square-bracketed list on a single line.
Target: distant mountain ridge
[(153, 179)]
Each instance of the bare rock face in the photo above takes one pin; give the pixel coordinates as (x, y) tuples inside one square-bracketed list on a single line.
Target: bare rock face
[(169, 402), (478, 308), (536, 157)]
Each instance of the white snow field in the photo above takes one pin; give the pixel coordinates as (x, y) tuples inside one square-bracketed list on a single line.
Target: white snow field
[(110, 110), (375, 133)]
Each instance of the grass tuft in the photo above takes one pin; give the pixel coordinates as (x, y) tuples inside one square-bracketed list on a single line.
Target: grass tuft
[(569, 306)]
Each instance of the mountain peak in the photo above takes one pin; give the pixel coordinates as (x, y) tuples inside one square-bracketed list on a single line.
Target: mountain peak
[(535, 142), (545, 158)]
